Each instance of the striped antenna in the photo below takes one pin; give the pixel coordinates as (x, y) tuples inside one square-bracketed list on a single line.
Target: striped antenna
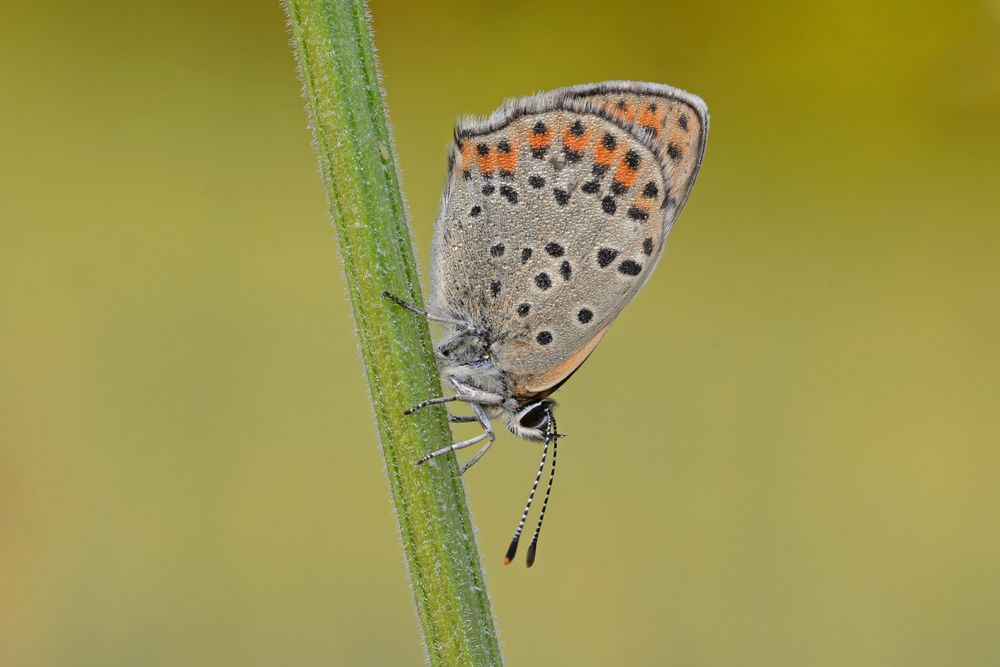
[(553, 436), (512, 549)]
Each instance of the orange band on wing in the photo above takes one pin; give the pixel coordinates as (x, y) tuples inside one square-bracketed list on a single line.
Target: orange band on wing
[(508, 161), (651, 119), (638, 211), (541, 383), (574, 142), (604, 156), (623, 110), (625, 174), (486, 157), (540, 140), (466, 148)]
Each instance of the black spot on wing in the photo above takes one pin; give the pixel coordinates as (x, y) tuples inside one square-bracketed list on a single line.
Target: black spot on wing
[(605, 256), (630, 268), (636, 213), (572, 155)]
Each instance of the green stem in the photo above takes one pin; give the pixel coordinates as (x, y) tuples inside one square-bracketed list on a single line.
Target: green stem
[(336, 60)]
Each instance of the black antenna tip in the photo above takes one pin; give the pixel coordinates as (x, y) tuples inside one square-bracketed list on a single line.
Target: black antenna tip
[(511, 550), (530, 559)]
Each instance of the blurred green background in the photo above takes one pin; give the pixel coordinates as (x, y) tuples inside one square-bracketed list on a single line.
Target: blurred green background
[(784, 453)]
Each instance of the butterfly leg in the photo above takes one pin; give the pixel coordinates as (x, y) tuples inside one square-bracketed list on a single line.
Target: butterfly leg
[(478, 399), (455, 447), (430, 316), (461, 419), (490, 437)]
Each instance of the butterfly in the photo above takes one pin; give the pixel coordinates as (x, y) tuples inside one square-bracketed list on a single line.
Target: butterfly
[(556, 211)]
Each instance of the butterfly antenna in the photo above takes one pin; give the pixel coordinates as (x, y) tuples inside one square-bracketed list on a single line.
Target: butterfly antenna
[(512, 549), (552, 436)]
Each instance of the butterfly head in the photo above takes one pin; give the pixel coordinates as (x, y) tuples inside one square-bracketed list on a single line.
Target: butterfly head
[(531, 420)]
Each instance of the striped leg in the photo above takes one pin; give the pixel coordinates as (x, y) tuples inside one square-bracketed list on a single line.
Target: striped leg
[(485, 421), (464, 326), (454, 447), (461, 419), (479, 399), (487, 435)]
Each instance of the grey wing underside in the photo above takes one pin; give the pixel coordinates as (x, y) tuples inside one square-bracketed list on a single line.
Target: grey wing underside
[(556, 212)]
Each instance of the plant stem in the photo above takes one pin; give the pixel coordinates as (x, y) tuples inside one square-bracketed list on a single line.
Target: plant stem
[(336, 60)]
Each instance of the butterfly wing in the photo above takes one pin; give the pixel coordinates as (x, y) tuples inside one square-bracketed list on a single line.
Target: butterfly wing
[(555, 214)]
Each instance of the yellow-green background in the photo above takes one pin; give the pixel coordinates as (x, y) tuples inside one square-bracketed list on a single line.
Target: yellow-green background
[(786, 452)]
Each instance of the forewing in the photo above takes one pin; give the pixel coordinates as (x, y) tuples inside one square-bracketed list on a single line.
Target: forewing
[(554, 216)]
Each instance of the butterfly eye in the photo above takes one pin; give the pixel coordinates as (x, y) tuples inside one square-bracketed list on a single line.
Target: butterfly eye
[(534, 416)]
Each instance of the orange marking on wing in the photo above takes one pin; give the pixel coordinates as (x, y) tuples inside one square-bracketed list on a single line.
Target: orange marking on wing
[(625, 174), (642, 206), (604, 156), (626, 112), (575, 143), (540, 383), (487, 163), (677, 138), (466, 155), (539, 140), (650, 119), (508, 161)]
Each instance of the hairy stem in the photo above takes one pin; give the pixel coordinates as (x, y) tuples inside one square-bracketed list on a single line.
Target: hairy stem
[(332, 40)]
